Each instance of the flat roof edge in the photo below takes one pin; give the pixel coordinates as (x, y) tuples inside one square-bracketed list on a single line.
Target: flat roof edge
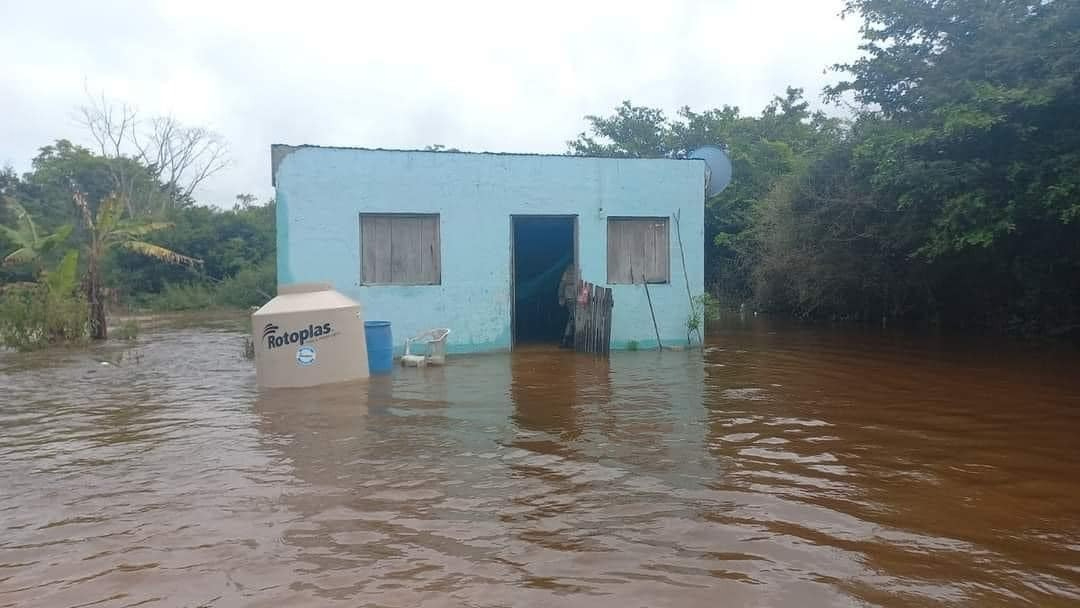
[(279, 151)]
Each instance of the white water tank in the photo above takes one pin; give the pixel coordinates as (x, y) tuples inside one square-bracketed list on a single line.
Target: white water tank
[(308, 335)]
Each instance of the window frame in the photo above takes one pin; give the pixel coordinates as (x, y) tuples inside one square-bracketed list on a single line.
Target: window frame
[(436, 244), (667, 251)]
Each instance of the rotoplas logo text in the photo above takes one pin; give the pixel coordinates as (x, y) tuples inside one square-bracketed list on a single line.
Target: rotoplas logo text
[(275, 339)]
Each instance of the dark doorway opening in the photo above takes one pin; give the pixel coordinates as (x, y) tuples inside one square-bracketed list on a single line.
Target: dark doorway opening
[(543, 247)]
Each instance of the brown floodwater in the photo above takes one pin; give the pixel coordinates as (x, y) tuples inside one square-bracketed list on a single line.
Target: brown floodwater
[(784, 466)]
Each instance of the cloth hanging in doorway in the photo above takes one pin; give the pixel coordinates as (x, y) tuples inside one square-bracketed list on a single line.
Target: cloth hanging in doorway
[(544, 286)]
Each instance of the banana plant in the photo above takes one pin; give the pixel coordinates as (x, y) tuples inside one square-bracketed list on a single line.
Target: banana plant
[(30, 246), (62, 281), (108, 229)]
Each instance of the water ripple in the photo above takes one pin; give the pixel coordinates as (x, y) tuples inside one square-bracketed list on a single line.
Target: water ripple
[(787, 468)]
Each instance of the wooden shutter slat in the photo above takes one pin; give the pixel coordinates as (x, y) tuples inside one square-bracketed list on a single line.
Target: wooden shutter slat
[(421, 250), (382, 250), (399, 243), (657, 253), (616, 258), (632, 234), (434, 247), (411, 251), (367, 249), (663, 252), (430, 272)]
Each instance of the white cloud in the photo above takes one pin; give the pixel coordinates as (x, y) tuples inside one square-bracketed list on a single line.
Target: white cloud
[(476, 75)]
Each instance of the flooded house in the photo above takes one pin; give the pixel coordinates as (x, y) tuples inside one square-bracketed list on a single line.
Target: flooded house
[(481, 242)]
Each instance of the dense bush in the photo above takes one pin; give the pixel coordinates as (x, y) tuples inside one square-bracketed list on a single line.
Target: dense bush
[(951, 195), (31, 317), (249, 287), (227, 241)]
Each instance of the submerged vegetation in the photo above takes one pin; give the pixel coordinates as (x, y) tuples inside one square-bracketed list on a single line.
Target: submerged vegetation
[(49, 311), (128, 330), (945, 189), (704, 308)]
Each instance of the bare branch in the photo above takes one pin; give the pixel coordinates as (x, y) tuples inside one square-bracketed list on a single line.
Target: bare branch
[(109, 125), (180, 158)]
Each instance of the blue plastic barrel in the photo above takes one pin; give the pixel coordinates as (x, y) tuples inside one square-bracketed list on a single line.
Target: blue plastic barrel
[(380, 346)]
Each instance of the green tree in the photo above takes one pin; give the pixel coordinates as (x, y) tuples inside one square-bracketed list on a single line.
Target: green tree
[(971, 131), (764, 149), (986, 98), (632, 132), (46, 190)]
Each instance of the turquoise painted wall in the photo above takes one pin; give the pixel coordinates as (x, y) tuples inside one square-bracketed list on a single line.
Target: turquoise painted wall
[(322, 191)]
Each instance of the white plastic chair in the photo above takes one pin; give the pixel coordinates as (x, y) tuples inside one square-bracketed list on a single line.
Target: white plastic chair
[(434, 341)]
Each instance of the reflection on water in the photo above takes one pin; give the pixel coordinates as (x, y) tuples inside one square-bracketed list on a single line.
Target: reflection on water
[(783, 467)]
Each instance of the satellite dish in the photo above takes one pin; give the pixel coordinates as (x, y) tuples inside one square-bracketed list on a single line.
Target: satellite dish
[(717, 168)]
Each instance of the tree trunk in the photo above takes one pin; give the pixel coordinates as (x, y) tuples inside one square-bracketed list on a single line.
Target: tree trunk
[(98, 328)]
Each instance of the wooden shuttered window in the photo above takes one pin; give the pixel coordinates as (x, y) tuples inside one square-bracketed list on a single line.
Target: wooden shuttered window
[(637, 250), (400, 249)]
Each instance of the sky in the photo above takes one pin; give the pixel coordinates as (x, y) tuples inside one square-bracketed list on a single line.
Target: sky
[(483, 76)]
